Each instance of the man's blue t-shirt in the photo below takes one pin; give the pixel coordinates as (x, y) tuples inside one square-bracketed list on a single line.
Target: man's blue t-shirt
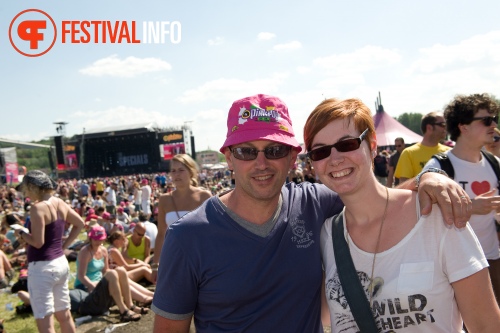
[(233, 280)]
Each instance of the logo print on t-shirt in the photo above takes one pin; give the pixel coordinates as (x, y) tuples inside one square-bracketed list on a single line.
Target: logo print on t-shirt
[(301, 237), (480, 187)]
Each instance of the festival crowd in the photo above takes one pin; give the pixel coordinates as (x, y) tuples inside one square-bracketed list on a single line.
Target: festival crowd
[(278, 241)]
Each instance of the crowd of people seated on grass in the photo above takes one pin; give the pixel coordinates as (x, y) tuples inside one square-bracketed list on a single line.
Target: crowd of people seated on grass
[(107, 225)]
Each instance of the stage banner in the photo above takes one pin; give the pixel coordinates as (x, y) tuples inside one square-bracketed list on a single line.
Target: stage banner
[(170, 150), (71, 161), (11, 172), (11, 166)]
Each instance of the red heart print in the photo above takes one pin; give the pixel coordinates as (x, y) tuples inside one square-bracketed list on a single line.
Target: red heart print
[(480, 187)]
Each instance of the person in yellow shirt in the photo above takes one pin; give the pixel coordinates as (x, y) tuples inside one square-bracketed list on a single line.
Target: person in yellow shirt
[(100, 187), (414, 158), (138, 245)]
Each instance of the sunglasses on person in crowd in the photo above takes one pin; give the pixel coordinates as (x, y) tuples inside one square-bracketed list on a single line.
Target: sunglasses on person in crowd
[(496, 138), (271, 153), (440, 124), (138, 234), (342, 146), (399, 146), (487, 120)]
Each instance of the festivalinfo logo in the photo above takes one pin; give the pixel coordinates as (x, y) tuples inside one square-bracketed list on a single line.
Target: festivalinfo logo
[(33, 32)]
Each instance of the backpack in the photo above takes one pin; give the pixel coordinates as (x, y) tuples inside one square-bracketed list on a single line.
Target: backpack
[(446, 165), (380, 164)]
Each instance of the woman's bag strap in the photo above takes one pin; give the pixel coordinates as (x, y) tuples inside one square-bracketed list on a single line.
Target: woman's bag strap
[(353, 290)]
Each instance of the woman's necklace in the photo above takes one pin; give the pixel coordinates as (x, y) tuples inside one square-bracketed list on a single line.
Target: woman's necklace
[(372, 284), (92, 252)]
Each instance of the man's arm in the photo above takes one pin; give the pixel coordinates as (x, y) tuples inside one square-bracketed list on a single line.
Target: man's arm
[(454, 202), (147, 249), (104, 197), (164, 325), (390, 177), (484, 203), (325, 312)]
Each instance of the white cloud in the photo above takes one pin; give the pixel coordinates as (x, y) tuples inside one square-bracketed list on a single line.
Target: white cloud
[(128, 67), (230, 89), (361, 60), (294, 45), (119, 116), (342, 79), (27, 137), (216, 41), (209, 128), (476, 49), (303, 70), (265, 36)]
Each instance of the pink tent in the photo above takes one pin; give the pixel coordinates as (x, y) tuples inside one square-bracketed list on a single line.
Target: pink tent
[(388, 128)]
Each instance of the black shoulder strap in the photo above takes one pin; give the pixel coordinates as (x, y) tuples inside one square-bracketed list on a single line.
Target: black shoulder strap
[(353, 290), (445, 163), (494, 164)]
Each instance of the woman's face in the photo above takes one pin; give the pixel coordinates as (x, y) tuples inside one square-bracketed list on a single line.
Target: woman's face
[(343, 172), (96, 243), (180, 173), (119, 241)]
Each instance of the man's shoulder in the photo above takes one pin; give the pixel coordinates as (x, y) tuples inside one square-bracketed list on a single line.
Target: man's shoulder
[(309, 190), (150, 225), (411, 149), (200, 215), (442, 148), (202, 223), (394, 156)]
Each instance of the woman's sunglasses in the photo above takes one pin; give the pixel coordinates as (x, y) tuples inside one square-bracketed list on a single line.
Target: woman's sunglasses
[(487, 120), (271, 153), (342, 146)]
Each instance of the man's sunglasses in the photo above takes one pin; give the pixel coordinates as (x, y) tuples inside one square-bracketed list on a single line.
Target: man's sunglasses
[(271, 153), (441, 124), (487, 120), (342, 146)]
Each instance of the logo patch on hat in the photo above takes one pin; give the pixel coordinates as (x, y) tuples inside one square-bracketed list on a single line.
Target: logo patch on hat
[(258, 114)]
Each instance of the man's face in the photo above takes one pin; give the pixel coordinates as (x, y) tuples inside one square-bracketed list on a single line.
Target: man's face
[(139, 230), (477, 131), (260, 179), (439, 128), (399, 146)]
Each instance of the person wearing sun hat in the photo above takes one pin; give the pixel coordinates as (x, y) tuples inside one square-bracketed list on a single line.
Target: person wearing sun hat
[(249, 260), (105, 286), (47, 265)]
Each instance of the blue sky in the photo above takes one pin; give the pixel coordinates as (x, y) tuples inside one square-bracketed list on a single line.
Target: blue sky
[(418, 54)]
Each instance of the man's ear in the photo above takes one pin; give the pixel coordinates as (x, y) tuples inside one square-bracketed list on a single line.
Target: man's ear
[(463, 128), (293, 158), (229, 158)]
